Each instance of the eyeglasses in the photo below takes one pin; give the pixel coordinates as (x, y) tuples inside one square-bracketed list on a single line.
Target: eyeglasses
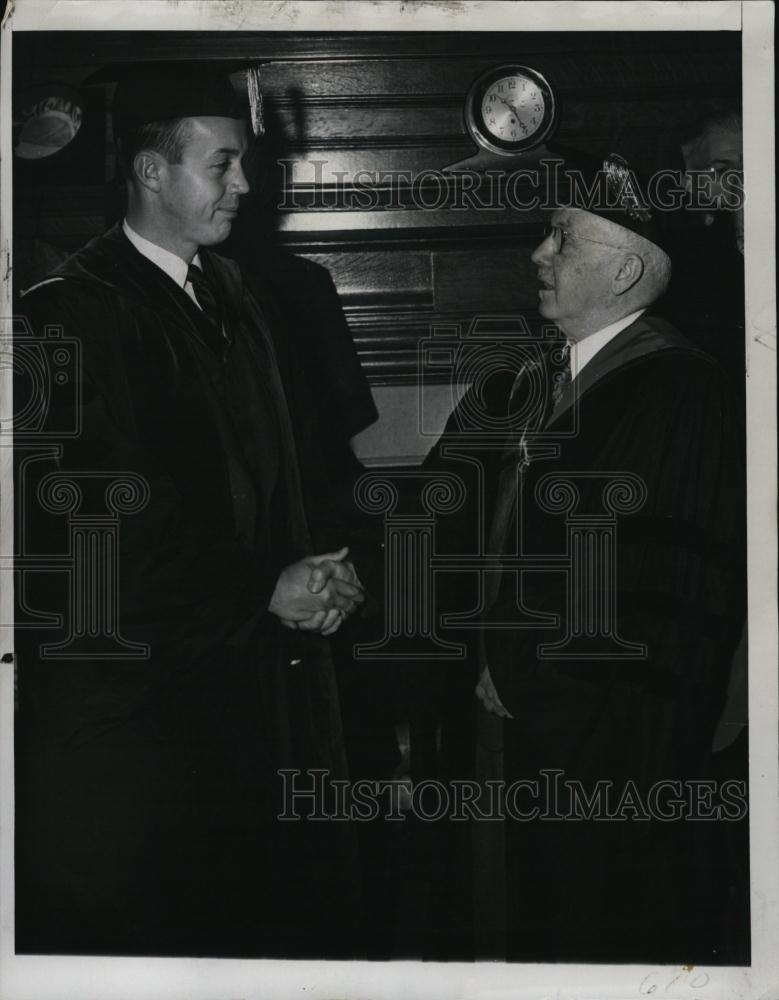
[(559, 236)]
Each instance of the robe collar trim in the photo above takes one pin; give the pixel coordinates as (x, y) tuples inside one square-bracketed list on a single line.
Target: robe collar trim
[(112, 261), (646, 336)]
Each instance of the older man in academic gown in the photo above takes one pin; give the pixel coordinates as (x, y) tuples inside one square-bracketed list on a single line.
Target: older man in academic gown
[(605, 682), (148, 754)]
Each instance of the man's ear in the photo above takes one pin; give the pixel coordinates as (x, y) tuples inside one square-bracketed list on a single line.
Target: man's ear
[(147, 168), (629, 274)]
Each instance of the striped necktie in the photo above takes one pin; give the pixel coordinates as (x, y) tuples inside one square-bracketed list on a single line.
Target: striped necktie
[(563, 377), (205, 297)]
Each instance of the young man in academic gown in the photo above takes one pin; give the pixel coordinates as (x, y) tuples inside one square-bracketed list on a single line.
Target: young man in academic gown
[(630, 717), (148, 757)]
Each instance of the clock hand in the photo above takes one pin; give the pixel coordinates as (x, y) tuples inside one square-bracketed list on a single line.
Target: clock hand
[(515, 112), (511, 107)]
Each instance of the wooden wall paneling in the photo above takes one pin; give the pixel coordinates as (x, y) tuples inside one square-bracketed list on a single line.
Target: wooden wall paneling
[(84, 48), (379, 226), (373, 277), (328, 122), (571, 73), (338, 166), (389, 341), (493, 281)]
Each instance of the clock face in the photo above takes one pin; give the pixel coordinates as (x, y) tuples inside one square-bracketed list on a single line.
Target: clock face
[(513, 108), (510, 109)]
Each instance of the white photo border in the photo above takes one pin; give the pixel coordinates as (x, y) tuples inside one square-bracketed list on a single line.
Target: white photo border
[(87, 978)]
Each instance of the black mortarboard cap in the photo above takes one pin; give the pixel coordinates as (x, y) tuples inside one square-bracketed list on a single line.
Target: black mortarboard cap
[(163, 91), (609, 187)]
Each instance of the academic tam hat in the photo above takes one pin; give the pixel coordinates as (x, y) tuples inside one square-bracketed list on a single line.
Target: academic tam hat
[(609, 187), (164, 91)]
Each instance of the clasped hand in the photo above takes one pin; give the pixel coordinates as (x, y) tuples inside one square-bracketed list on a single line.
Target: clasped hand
[(488, 696), (317, 593)]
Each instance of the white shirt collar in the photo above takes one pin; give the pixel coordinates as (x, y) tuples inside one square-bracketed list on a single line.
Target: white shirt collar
[(173, 266), (585, 350)]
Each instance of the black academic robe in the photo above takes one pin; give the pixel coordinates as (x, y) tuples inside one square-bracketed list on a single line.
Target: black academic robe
[(634, 889), (160, 836)]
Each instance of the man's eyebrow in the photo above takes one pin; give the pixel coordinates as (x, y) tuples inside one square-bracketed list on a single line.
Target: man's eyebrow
[(228, 151)]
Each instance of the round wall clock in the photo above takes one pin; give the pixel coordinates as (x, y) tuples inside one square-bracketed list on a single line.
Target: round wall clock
[(510, 109)]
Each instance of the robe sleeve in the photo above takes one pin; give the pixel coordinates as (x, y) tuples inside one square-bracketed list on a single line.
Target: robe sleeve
[(186, 586), (680, 562)]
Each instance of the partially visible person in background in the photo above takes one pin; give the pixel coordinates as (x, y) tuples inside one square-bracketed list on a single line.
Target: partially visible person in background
[(707, 301), (706, 295), (712, 149), (714, 146)]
